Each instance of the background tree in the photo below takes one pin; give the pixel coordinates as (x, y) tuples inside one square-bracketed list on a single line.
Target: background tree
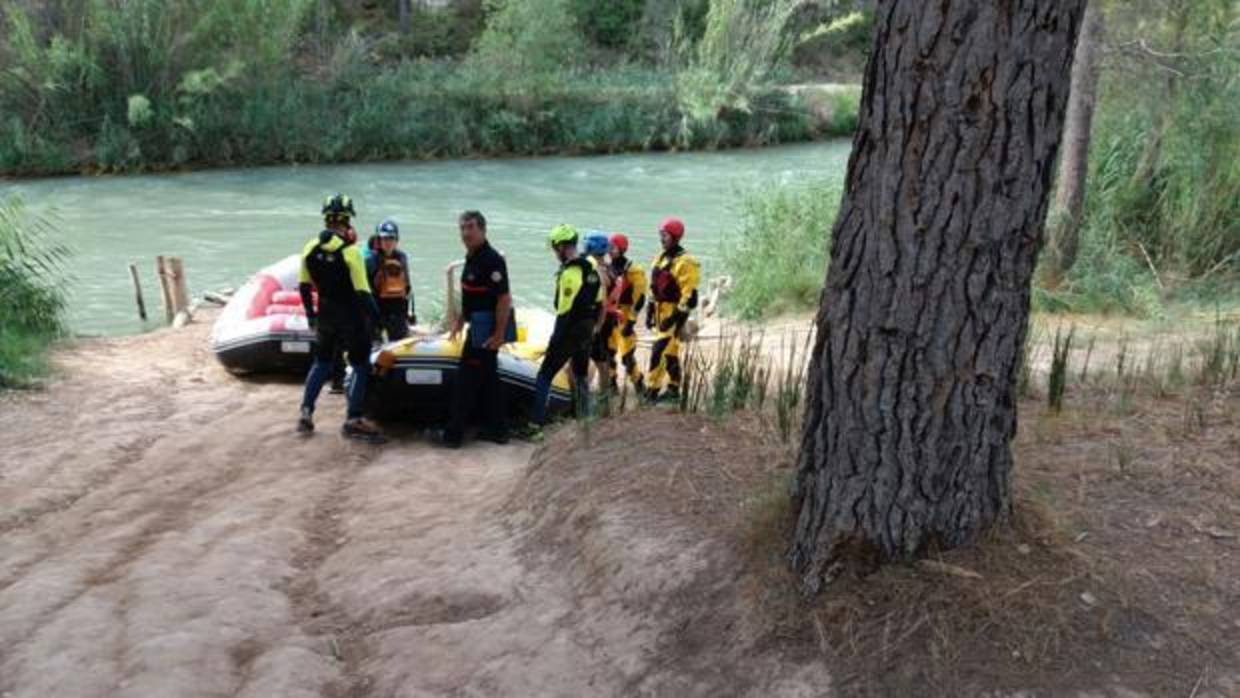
[(911, 395), (404, 12), (1063, 236)]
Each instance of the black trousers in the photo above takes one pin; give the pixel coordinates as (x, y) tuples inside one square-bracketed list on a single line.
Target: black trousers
[(569, 344), (477, 380), (393, 318)]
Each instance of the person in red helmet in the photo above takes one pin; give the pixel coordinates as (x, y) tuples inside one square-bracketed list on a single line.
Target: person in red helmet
[(674, 278), (628, 297)]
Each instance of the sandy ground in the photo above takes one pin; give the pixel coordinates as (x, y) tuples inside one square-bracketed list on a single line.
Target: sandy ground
[(164, 533)]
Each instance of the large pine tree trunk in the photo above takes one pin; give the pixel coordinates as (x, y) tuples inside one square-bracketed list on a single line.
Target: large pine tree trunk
[(911, 395), (1065, 221)]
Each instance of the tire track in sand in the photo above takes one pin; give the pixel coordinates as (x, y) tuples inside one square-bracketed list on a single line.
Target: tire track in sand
[(314, 611)]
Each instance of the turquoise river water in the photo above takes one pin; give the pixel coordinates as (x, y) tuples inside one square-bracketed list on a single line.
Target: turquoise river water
[(226, 224)]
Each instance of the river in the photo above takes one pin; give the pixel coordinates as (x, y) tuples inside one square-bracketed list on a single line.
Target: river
[(226, 224)]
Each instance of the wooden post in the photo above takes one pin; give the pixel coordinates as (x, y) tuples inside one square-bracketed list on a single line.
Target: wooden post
[(180, 291), (450, 303), (172, 287), (137, 290), (165, 290)]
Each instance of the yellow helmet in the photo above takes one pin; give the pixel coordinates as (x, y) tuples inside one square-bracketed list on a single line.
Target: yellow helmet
[(563, 234)]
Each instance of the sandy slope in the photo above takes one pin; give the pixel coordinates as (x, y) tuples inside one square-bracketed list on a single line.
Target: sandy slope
[(164, 533)]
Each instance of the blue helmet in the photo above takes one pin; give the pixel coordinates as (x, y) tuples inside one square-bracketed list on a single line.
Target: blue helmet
[(388, 229), (596, 243)]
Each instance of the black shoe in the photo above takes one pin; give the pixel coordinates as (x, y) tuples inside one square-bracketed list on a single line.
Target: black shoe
[(305, 423), (446, 439), (495, 437)]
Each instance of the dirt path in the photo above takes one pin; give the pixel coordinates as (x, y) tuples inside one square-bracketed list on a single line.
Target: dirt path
[(164, 533)]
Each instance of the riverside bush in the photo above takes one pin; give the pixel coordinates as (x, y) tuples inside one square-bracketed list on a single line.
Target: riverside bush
[(417, 110), (31, 303), (778, 256), (157, 84)]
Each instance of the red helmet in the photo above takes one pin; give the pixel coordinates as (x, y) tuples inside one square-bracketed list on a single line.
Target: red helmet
[(673, 227), (620, 242)]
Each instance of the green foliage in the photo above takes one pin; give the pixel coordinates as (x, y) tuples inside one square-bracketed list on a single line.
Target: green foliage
[(414, 111), (139, 113), (1220, 354), (778, 255), (529, 36), (1106, 279), (1057, 379), (836, 47), (1185, 214), (611, 24), (1162, 214), (739, 375), (742, 44), (433, 33), (31, 303), (152, 84)]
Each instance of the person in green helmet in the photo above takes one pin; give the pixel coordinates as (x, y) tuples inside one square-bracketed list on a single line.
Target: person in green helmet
[(332, 264), (579, 313)]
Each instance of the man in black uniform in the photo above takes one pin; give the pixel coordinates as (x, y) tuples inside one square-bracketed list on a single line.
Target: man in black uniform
[(487, 305)]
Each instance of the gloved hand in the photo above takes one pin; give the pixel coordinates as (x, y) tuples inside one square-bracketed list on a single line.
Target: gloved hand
[(672, 321)]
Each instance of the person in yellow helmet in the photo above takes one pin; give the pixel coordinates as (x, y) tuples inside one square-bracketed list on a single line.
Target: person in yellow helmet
[(628, 297), (578, 314), (342, 318), (674, 281)]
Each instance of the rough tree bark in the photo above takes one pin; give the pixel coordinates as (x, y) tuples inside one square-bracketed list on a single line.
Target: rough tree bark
[(1063, 238), (911, 395)]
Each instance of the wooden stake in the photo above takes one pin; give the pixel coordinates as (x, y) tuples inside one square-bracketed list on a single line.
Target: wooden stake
[(137, 290), (165, 291), (176, 278)]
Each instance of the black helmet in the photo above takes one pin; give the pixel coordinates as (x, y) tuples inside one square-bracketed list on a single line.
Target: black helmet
[(338, 206)]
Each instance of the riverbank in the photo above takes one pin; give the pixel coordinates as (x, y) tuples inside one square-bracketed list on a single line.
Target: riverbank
[(165, 533)]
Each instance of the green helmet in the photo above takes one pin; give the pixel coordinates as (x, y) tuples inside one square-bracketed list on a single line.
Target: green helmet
[(338, 206), (562, 234)]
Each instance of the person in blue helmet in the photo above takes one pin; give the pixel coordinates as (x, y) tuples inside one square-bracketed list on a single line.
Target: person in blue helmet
[(595, 246), (388, 270)]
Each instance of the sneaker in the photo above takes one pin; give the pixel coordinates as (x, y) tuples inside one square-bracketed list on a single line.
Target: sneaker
[(362, 430), (305, 423), (530, 432)]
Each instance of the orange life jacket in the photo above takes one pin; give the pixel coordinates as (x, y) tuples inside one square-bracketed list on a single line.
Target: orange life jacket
[(389, 281)]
